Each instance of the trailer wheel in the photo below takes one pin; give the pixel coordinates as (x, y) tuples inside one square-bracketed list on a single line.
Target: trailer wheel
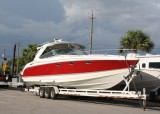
[(47, 93), (42, 92), (53, 95)]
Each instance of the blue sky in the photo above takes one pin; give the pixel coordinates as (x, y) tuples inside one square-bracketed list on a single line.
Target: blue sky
[(39, 21)]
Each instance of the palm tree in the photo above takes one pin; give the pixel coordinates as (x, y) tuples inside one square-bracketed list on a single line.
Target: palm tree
[(137, 40)]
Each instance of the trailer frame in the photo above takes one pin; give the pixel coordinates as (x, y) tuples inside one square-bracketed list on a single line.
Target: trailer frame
[(52, 91)]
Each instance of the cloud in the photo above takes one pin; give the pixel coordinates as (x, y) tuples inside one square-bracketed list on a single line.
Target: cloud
[(112, 19), (40, 10), (38, 29), (42, 21), (4, 30)]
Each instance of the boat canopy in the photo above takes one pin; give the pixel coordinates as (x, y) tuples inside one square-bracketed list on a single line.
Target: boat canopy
[(63, 49)]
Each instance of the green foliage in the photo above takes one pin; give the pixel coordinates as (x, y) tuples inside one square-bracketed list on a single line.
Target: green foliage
[(138, 40), (28, 55), (1, 72)]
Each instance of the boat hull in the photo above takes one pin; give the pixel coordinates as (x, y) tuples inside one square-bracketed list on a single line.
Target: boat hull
[(92, 80), (149, 79), (91, 71)]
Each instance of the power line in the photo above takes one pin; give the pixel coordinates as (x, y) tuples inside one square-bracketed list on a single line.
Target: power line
[(78, 37), (7, 42)]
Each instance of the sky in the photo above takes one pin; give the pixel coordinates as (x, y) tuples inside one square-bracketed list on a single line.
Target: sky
[(40, 21)]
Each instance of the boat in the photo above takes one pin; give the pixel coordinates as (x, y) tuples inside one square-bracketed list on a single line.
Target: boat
[(149, 76), (66, 64)]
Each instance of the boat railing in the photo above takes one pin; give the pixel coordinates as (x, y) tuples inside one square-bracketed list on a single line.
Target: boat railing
[(111, 51), (96, 52), (80, 52)]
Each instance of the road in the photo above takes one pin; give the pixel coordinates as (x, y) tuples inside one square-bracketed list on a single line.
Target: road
[(17, 102)]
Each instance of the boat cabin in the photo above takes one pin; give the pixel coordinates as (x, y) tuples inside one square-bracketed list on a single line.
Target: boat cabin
[(59, 48)]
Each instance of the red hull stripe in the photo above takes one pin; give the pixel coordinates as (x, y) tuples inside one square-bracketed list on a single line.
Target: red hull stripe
[(77, 67)]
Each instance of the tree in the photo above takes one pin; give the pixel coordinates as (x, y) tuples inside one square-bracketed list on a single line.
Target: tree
[(28, 55), (137, 40), (1, 72)]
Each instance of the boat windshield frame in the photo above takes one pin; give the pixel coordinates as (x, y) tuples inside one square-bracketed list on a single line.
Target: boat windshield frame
[(71, 49)]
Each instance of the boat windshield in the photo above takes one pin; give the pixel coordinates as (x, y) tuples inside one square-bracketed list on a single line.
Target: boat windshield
[(54, 51)]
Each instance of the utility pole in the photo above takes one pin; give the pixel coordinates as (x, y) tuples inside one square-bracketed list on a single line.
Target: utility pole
[(91, 32), (13, 64), (18, 43)]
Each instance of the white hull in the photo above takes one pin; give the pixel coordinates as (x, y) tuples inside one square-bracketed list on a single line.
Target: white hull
[(149, 76), (93, 80), (149, 79)]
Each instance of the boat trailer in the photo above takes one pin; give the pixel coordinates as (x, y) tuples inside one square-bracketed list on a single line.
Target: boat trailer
[(52, 92)]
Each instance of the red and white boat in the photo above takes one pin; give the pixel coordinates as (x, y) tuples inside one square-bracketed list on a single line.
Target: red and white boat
[(66, 64)]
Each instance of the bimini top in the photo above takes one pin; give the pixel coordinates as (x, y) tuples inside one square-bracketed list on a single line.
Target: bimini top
[(59, 47)]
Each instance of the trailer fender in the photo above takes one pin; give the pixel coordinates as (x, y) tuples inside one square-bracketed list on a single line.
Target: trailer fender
[(56, 89)]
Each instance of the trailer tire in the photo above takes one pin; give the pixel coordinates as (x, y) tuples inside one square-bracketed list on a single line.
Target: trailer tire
[(53, 95), (47, 92), (42, 92)]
